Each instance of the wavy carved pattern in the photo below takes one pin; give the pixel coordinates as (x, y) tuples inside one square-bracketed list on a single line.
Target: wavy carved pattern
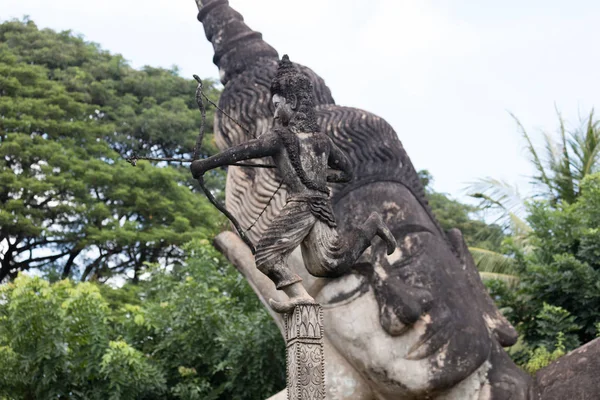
[(374, 150), (247, 99), (305, 353), (248, 64)]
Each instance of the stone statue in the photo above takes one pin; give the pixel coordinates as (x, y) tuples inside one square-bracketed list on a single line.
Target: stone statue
[(306, 159), (414, 324)]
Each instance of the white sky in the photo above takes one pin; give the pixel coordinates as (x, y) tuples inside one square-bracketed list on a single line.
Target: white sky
[(444, 73)]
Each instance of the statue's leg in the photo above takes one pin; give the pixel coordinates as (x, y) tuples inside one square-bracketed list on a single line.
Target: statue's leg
[(327, 254), (279, 240)]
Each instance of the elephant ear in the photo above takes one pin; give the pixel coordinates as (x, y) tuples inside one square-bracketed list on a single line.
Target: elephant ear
[(498, 325)]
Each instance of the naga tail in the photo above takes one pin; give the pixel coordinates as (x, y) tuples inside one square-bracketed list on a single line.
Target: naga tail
[(236, 46)]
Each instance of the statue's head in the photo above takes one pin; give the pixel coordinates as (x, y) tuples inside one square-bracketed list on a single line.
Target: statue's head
[(292, 96), (418, 321)]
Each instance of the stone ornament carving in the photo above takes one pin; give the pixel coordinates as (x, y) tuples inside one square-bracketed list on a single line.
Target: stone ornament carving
[(305, 353), (306, 159), (415, 324)]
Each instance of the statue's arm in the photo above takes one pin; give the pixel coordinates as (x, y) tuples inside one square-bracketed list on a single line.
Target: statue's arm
[(264, 146), (338, 161)]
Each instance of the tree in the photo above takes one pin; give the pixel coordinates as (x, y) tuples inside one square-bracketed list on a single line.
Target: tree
[(484, 240), (196, 332), (55, 343), (557, 302), (551, 254), (69, 203), (558, 180), (564, 268), (211, 333), (559, 173), (454, 214)]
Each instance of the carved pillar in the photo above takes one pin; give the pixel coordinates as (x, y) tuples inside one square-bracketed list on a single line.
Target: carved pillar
[(305, 353)]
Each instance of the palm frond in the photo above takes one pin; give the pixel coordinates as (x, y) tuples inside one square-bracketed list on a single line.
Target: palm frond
[(535, 158), (553, 152), (520, 226), (563, 179), (592, 160), (499, 197), (493, 265), (491, 261), (521, 234), (585, 144)]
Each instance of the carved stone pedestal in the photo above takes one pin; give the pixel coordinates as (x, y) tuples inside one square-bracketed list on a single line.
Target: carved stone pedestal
[(305, 353)]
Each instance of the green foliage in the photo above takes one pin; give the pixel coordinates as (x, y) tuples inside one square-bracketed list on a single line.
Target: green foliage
[(70, 206), (541, 357), (54, 343), (69, 203), (199, 333), (567, 283), (215, 339), (555, 325), (559, 290), (560, 173), (560, 169), (554, 247), (454, 214), (564, 269), (128, 372)]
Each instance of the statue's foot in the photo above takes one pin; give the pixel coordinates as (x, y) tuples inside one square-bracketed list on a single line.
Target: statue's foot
[(384, 233), (286, 307)]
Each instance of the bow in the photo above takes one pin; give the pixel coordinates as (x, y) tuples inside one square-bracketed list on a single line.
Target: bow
[(199, 95), (209, 195)]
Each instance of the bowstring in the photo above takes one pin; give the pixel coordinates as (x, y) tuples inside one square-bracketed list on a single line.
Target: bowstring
[(265, 209), (199, 93)]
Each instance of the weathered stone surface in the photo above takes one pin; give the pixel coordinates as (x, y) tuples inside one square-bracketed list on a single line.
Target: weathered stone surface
[(236, 46), (305, 353), (306, 159), (343, 382), (574, 376), (416, 324)]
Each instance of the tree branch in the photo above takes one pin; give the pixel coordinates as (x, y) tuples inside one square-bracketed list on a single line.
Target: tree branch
[(46, 258), (67, 267)]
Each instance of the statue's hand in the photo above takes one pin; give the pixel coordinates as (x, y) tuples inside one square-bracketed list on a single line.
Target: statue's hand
[(198, 168), (334, 176)]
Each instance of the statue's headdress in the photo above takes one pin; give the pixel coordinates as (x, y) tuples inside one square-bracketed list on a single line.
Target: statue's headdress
[(290, 80)]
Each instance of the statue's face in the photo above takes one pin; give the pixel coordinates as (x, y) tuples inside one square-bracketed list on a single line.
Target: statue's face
[(409, 322), (283, 110)]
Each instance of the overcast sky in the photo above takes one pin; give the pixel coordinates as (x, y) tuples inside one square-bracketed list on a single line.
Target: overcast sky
[(445, 73)]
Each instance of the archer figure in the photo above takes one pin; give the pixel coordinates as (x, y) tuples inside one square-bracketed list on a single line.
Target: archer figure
[(307, 159)]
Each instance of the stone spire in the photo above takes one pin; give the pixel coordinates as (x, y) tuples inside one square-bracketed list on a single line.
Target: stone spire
[(237, 47)]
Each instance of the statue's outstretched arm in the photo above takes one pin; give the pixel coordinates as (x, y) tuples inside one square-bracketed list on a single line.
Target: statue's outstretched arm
[(340, 163), (264, 146)]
